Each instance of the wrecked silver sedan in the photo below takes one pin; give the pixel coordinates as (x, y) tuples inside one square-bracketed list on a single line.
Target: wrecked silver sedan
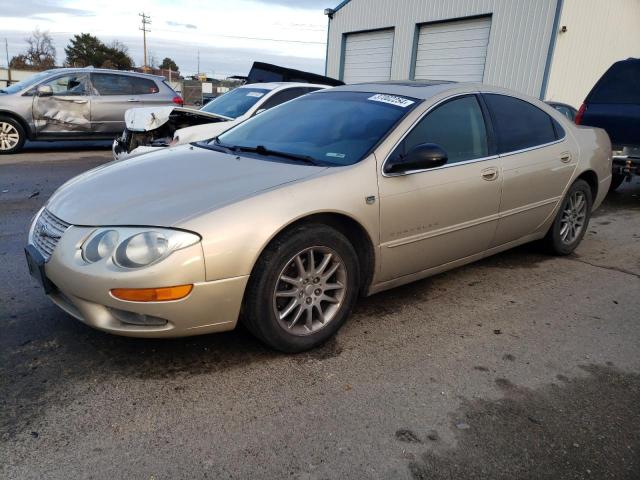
[(76, 104)]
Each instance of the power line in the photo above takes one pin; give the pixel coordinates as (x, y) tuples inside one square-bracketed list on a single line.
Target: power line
[(248, 38), (146, 20)]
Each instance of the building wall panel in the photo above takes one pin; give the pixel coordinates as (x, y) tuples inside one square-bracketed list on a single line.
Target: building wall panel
[(518, 42), (599, 33)]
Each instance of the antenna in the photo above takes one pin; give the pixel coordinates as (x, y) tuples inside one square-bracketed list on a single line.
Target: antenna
[(146, 20)]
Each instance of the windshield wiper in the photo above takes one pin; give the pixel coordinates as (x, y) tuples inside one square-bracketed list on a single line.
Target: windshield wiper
[(262, 150)]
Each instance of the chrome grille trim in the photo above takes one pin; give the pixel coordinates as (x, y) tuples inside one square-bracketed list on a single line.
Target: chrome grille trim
[(47, 231)]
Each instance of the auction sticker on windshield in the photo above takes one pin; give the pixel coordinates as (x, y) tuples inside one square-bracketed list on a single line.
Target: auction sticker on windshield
[(392, 99), (255, 94)]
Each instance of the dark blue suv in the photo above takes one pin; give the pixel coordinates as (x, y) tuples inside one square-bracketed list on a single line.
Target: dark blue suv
[(614, 105)]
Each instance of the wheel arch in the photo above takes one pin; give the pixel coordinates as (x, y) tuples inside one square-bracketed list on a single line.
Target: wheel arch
[(591, 178), (355, 232), (23, 123)]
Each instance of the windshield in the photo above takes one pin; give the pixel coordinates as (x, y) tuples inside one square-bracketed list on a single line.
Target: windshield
[(334, 128), (236, 102), (28, 82)]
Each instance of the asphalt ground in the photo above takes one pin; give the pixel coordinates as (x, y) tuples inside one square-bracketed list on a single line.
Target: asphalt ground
[(519, 366)]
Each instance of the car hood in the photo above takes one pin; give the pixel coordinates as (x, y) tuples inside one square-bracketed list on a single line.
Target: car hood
[(149, 118), (166, 187)]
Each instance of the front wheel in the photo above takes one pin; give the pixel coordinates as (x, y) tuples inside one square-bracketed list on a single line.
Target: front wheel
[(572, 220), (12, 135), (302, 288)]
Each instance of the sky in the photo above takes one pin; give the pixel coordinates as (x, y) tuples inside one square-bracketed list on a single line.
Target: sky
[(229, 34)]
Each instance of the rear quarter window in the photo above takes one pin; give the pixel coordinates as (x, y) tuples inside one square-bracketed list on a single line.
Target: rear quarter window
[(619, 84), (519, 124)]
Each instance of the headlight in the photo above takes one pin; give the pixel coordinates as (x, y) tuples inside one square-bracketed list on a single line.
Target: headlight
[(100, 246), (138, 248)]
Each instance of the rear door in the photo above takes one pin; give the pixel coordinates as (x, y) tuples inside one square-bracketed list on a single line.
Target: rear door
[(614, 104), (68, 109), (114, 95), (537, 160)]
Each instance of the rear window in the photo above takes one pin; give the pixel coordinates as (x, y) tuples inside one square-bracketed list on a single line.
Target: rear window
[(519, 124), (620, 84), (108, 84)]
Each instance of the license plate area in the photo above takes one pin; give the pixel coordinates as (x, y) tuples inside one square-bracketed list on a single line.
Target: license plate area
[(35, 263)]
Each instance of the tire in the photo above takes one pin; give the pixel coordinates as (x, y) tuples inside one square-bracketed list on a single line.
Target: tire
[(572, 216), (616, 181), (268, 296), (12, 136)]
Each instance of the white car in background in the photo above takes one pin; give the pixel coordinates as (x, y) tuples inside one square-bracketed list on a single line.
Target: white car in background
[(150, 129)]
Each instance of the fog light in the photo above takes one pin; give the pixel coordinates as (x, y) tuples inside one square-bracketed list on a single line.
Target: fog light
[(132, 318), (164, 294)]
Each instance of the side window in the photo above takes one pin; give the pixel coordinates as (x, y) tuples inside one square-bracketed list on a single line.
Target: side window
[(143, 86), (457, 126), (107, 84), (283, 96), (75, 84), (519, 124)]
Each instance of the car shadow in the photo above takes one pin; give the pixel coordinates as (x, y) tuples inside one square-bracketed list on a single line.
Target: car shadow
[(66, 146)]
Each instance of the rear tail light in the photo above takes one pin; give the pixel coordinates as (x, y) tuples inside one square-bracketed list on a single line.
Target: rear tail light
[(580, 114), (178, 100)]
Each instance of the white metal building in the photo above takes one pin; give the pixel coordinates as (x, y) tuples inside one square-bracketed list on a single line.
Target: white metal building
[(551, 49)]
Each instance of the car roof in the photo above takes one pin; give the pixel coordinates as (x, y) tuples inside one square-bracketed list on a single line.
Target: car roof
[(54, 71), (274, 85), (420, 89)]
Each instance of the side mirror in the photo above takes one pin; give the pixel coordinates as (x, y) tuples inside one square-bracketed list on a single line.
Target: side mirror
[(45, 91), (421, 157)]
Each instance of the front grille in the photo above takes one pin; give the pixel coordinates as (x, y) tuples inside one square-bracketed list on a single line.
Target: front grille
[(47, 232)]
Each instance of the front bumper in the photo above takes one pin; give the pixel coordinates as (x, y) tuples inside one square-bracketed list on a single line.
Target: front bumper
[(83, 291), (120, 152)]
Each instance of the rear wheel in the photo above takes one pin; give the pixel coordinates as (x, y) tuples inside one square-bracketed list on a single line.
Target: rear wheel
[(616, 181), (12, 135), (302, 288), (572, 220)]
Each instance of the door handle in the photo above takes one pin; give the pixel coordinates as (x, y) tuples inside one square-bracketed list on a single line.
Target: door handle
[(565, 157), (133, 100), (489, 174)]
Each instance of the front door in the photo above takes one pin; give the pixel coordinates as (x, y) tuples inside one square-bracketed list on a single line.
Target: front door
[(433, 217), (66, 108)]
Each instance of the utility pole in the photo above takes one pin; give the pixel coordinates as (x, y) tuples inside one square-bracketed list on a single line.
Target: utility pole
[(6, 49), (146, 20)]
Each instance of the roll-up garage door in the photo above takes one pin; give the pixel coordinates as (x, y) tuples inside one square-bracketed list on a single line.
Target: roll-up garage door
[(455, 50), (367, 56)]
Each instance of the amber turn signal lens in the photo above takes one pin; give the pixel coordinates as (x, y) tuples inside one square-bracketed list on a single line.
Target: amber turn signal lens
[(163, 294)]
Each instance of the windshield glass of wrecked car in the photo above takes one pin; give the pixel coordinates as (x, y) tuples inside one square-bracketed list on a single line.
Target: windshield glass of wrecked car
[(236, 102), (28, 82), (330, 127)]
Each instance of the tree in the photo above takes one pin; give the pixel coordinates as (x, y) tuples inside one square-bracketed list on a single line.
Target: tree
[(40, 54), (169, 64), (86, 50)]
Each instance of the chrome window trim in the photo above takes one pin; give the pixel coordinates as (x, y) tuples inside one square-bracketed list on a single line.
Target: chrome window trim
[(466, 162)]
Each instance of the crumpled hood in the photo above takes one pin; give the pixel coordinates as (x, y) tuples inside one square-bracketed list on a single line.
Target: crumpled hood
[(143, 119), (166, 187)]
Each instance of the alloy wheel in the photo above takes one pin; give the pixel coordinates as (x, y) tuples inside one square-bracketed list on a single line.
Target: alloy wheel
[(574, 213), (9, 136), (310, 290)]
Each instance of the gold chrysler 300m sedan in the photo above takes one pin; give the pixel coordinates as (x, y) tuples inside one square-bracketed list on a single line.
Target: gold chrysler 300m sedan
[(284, 220)]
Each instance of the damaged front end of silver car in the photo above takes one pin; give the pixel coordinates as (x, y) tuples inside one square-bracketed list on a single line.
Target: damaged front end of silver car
[(150, 128)]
